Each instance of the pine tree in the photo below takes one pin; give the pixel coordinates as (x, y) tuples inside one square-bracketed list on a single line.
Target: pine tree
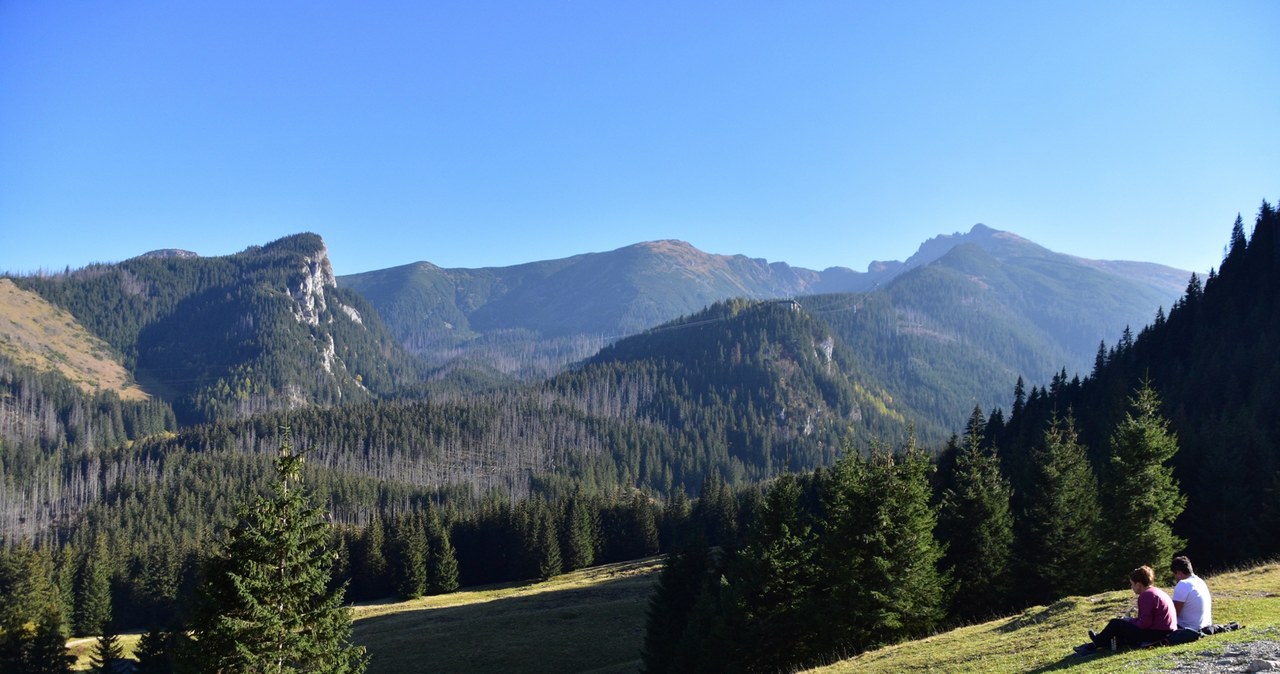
[(153, 652), (581, 533), (546, 532), (47, 653), (902, 557), (880, 580), (106, 650), (93, 591), (31, 635), (1059, 532), (669, 637), (265, 605), (407, 558), (772, 581), (976, 526), (1140, 492), (370, 572), (442, 561)]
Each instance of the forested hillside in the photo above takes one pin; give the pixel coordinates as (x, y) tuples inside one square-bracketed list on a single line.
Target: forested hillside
[(219, 337), (1168, 447), (953, 332), (531, 320), (660, 438), (1212, 359)]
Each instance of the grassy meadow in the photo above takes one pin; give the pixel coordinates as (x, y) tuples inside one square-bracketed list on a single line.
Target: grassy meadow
[(1039, 639), (593, 621), (585, 621)]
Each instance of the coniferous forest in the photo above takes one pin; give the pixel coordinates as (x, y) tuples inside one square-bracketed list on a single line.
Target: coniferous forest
[(805, 511)]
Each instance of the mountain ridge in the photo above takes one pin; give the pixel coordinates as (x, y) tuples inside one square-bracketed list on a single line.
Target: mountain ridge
[(455, 316)]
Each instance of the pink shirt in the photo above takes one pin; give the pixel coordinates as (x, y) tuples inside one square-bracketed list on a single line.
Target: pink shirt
[(1155, 611)]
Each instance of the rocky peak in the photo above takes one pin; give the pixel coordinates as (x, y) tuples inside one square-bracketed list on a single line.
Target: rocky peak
[(308, 288)]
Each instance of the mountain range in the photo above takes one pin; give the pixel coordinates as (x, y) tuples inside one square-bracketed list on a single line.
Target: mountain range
[(535, 318), (273, 328)]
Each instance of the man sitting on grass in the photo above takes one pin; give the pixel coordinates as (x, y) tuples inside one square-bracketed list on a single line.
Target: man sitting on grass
[(1191, 600)]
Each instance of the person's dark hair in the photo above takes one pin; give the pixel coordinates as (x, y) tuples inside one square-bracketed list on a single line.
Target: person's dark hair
[(1181, 565), (1144, 575)]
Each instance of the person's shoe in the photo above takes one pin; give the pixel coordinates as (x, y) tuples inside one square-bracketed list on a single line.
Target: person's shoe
[(1086, 649), (1093, 636)]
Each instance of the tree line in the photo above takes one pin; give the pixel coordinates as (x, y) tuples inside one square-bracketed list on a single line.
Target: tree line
[(889, 545)]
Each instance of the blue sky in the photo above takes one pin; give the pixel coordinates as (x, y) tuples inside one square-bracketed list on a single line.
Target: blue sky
[(486, 133)]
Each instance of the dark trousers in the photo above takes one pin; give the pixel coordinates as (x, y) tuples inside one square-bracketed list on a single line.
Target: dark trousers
[(1126, 634)]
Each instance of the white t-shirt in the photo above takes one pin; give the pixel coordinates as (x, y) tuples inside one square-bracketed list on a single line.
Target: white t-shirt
[(1197, 607)]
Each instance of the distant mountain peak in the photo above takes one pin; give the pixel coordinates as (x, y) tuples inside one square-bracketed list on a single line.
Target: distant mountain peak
[(170, 253)]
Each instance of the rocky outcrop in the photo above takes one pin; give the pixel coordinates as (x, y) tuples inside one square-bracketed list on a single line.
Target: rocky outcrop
[(308, 293)]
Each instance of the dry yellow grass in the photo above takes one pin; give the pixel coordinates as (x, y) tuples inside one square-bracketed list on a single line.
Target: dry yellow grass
[(38, 334)]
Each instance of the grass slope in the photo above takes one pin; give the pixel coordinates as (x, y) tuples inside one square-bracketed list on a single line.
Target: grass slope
[(593, 621), (37, 334), (1040, 638), (586, 621)]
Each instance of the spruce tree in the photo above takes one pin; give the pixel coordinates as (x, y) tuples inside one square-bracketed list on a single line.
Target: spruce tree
[(31, 634), (106, 649), (47, 653), (153, 652), (93, 591), (772, 581), (442, 560), (880, 581), (976, 526), (265, 604), (408, 556), (900, 555), (370, 573), (1059, 532), (1140, 492), (581, 533)]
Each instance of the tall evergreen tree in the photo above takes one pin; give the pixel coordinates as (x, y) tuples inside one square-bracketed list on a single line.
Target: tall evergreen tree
[(880, 579), (581, 533), (93, 590), (772, 581), (442, 560), (31, 636), (407, 560), (669, 636), (47, 653), (976, 526), (900, 553), (1058, 544), (1140, 492), (153, 652), (546, 534), (106, 650), (265, 603), (370, 575)]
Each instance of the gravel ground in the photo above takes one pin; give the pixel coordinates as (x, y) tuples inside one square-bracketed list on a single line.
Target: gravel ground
[(1239, 657)]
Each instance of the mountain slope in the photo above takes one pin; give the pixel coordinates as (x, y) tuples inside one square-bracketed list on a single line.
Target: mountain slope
[(534, 318), (1213, 362), (36, 334), (264, 329), (956, 331), (582, 301), (1040, 638)]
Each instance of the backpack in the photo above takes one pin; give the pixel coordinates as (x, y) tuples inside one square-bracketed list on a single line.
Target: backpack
[(1183, 636)]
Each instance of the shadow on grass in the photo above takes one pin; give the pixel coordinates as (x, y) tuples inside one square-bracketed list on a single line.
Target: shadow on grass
[(598, 628)]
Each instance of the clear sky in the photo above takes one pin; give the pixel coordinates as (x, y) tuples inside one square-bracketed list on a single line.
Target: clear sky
[(474, 133)]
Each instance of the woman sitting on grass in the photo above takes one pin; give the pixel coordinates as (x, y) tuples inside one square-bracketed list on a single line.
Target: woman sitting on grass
[(1155, 621)]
